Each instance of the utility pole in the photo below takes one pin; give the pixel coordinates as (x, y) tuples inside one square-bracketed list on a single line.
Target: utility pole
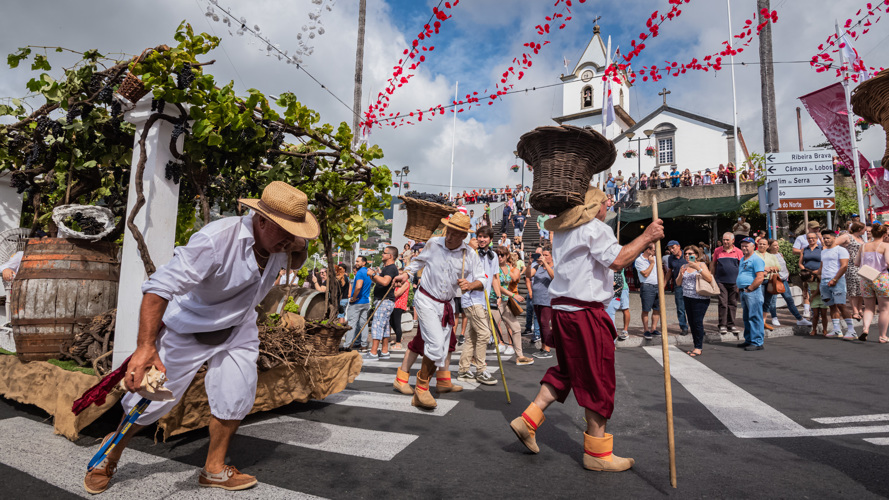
[(356, 103), (767, 92)]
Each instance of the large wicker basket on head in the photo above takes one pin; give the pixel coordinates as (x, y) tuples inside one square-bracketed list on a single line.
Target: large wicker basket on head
[(565, 158), (870, 100), (423, 217)]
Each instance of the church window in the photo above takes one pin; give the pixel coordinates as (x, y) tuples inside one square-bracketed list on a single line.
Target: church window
[(587, 97), (665, 151), (665, 134)]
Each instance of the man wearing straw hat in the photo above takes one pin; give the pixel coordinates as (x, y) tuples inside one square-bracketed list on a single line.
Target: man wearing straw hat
[(199, 308), (450, 267), (587, 254)]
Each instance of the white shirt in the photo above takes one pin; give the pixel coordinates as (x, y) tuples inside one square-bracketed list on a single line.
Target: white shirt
[(583, 256), (477, 297), (642, 264), (830, 261), (13, 263), (441, 268), (294, 279), (214, 282), (504, 243), (802, 242)]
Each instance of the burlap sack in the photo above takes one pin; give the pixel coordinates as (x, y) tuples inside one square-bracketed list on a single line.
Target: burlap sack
[(53, 390), (280, 386)]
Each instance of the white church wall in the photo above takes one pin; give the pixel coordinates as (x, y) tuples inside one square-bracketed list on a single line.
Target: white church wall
[(697, 146)]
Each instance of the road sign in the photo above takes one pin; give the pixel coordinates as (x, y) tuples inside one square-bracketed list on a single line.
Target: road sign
[(805, 179), (807, 204), (768, 197)]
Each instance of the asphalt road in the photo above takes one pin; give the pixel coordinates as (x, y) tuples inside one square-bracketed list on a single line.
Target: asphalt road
[(743, 423)]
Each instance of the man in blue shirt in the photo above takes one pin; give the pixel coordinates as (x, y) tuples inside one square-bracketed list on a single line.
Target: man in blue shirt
[(359, 304), (751, 273), (674, 177), (673, 263), (473, 224)]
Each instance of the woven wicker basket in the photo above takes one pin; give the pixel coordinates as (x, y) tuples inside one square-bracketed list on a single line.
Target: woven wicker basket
[(132, 88), (326, 339), (565, 158), (870, 100), (423, 217)]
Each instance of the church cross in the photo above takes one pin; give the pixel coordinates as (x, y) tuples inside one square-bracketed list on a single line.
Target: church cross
[(664, 94), (596, 20)]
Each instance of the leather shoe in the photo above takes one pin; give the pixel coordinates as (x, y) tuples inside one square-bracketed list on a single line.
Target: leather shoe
[(754, 348), (743, 345), (617, 464)]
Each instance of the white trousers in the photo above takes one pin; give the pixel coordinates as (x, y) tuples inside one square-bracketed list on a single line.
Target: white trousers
[(435, 336), (231, 373)]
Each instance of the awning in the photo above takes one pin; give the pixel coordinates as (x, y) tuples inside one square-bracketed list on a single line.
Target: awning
[(679, 207)]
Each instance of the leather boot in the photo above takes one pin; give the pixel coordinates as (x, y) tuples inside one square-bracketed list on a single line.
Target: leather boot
[(525, 427), (443, 382), (598, 456), (401, 382), (422, 397)]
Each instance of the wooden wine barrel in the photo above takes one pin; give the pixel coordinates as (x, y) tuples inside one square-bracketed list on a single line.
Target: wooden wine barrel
[(60, 283), (311, 303)]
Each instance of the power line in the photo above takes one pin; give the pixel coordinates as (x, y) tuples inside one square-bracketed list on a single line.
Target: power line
[(270, 46)]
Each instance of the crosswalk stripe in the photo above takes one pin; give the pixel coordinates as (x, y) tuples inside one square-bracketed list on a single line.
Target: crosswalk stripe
[(388, 378), (26, 444), (365, 443), (389, 402), (878, 441), (880, 417), (489, 357), (741, 412), (395, 363)]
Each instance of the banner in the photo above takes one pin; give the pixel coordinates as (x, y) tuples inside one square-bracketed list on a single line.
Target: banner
[(829, 109)]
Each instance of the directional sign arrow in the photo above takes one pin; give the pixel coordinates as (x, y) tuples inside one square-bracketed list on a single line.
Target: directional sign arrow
[(771, 170), (770, 158), (829, 203), (828, 178), (828, 191)]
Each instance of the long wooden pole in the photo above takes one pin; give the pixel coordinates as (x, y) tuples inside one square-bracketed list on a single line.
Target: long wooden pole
[(671, 442)]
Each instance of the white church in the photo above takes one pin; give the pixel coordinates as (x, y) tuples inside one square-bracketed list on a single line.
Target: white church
[(681, 138)]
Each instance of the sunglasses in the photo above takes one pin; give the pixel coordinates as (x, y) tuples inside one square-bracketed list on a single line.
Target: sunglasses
[(689, 254)]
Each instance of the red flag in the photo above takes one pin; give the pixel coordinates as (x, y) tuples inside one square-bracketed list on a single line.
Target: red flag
[(829, 109)]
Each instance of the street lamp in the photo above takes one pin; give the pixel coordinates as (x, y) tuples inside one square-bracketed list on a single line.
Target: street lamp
[(400, 174), (638, 142)]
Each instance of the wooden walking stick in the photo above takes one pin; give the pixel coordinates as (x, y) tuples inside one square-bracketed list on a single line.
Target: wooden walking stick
[(497, 348), (671, 443)]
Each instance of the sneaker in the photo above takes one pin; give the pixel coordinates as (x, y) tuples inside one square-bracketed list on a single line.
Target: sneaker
[(803, 322), (384, 355), (723, 330), (807, 314), (509, 351), (655, 332), (684, 332), (485, 378), (744, 345), (646, 335), (228, 479), (542, 355), (527, 333), (754, 348), (538, 344), (624, 335), (465, 376), (775, 322), (524, 360), (461, 339), (370, 356), (834, 334), (734, 330)]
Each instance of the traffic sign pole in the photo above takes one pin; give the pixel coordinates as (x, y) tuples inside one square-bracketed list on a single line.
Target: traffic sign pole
[(858, 190)]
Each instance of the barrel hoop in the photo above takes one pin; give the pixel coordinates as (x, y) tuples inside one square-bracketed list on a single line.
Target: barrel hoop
[(105, 259), (62, 274), (50, 321), (44, 343)]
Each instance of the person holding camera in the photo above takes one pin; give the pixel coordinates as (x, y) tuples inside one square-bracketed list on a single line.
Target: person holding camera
[(541, 275), (695, 304)]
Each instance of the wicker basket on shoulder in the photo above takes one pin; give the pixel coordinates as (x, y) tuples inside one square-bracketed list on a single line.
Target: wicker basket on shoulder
[(565, 158), (423, 217), (870, 100)]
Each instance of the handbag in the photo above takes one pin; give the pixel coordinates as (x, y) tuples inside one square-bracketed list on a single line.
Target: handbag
[(705, 288), (868, 273), (776, 285), (514, 307)]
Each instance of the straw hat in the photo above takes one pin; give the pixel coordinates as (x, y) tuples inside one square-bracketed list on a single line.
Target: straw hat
[(287, 207), (458, 221)]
